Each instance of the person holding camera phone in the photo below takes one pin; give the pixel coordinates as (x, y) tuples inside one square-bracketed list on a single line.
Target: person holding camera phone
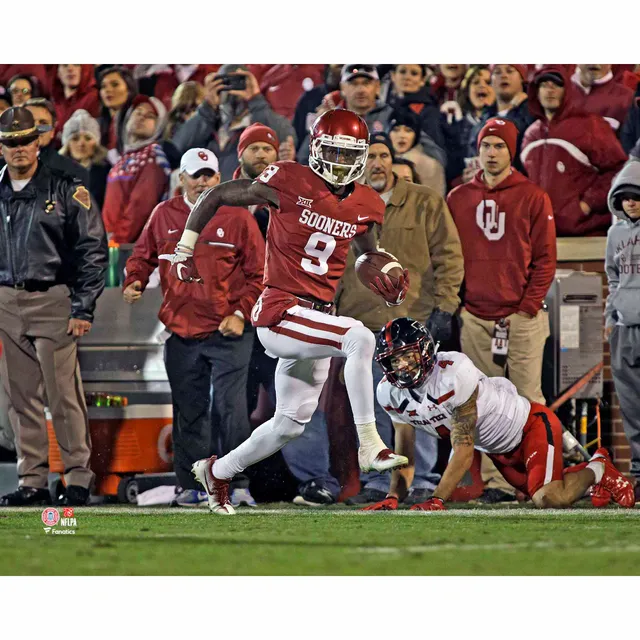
[(232, 103)]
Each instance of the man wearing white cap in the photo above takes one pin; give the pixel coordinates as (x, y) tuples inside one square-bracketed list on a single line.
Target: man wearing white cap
[(210, 344)]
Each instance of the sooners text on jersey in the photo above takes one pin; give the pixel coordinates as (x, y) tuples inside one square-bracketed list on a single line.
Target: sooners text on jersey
[(502, 413), (309, 235)]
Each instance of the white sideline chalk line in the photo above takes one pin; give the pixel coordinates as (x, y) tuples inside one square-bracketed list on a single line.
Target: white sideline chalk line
[(315, 511), (505, 546)]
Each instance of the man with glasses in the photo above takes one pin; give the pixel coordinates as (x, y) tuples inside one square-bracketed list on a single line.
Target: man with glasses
[(53, 259), (20, 90)]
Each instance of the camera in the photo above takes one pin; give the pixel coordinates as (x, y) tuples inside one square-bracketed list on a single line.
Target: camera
[(233, 82)]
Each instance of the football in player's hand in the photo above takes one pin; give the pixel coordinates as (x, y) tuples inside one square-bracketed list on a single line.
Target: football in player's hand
[(377, 264)]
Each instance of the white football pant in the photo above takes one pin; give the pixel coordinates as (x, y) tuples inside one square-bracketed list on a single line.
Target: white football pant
[(304, 342)]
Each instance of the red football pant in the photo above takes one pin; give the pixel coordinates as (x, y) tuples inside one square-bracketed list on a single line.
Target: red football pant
[(538, 459)]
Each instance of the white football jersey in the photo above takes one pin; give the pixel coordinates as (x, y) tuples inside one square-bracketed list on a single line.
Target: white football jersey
[(502, 412)]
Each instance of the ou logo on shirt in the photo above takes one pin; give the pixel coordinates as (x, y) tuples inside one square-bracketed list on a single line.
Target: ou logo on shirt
[(490, 220)]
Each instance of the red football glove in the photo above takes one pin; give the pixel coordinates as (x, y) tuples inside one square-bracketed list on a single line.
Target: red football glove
[(384, 288), (432, 504), (388, 504), (182, 265)]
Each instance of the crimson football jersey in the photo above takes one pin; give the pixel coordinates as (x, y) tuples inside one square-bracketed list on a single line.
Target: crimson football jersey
[(308, 237)]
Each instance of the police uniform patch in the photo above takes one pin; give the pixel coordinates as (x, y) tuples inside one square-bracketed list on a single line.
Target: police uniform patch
[(82, 196)]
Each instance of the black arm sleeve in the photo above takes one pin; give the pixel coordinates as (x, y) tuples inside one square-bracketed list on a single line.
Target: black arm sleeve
[(85, 235), (235, 193)]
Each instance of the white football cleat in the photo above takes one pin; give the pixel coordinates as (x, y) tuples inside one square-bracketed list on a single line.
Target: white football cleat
[(217, 490), (380, 460)]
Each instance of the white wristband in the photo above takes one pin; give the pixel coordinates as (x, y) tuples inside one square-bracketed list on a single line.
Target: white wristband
[(239, 313), (189, 239)]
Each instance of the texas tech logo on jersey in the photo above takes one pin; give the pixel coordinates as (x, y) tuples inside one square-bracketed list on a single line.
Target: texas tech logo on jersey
[(490, 220)]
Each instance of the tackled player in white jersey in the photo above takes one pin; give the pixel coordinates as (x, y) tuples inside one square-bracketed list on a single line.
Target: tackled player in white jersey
[(445, 395)]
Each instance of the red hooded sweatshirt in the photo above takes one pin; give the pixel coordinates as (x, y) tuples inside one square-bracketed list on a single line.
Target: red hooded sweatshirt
[(229, 255), (508, 242), (573, 157), (607, 98), (86, 97)]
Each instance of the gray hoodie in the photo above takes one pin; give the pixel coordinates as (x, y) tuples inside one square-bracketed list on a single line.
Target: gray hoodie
[(623, 254)]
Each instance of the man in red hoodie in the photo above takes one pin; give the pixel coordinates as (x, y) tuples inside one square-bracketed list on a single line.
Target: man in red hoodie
[(598, 92), (74, 87), (507, 232), (211, 339), (508, 242), (572, 155)]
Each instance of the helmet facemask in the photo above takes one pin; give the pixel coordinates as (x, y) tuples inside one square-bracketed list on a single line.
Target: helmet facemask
[(338, 159), (407, 367)]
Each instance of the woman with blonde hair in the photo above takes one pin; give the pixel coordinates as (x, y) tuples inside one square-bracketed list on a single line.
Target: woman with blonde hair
[(81, 142)]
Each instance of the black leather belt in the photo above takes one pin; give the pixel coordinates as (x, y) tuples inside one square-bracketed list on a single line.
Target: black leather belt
[(31, 286)]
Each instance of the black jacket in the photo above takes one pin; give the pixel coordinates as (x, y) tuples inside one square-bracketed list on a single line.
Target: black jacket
[(424, 106), (98, 174), (51, 233), (50, 156)]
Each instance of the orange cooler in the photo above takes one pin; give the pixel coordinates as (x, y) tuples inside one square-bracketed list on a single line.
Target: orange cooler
[(125, 441)]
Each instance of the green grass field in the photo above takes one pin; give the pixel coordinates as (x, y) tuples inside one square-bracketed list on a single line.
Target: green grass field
[(286, 540)]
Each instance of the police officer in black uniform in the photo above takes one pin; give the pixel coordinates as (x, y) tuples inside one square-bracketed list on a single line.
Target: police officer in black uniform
[(53, 261)]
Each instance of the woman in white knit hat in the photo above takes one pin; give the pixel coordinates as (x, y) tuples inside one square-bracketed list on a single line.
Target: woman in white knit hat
[(81, 141)]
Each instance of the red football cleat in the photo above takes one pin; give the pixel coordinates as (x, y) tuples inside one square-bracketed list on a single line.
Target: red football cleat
[(613, 482), (217, 489), (600, 497)]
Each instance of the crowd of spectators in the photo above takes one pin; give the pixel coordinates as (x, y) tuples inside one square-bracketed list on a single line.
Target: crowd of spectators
[(121, 130), (110, 119)]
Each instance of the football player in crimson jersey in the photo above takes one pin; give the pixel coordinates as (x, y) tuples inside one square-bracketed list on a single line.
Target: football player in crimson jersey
[(445, 395), (317, 213)]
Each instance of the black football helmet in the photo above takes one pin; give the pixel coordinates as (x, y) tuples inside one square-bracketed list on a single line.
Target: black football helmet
[(398, 336)]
